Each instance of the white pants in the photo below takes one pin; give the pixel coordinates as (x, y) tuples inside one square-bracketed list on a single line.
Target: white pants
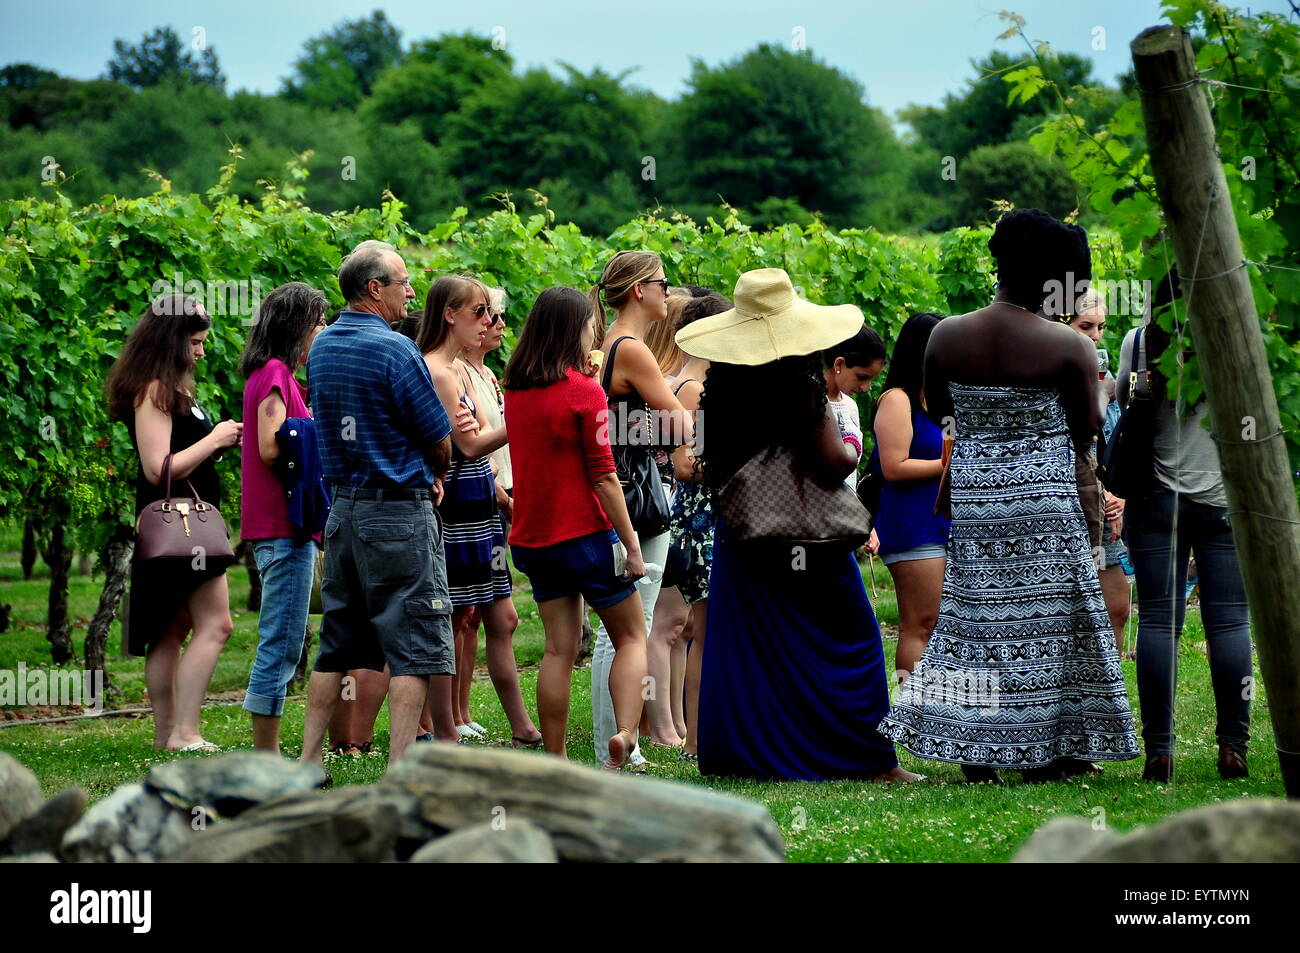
[(653, 550)]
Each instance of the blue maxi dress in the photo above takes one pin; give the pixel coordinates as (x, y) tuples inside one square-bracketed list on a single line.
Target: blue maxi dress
[(793, 681)]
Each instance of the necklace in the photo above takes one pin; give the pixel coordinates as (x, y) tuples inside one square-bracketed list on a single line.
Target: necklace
[(496, 388), (1012, 304)]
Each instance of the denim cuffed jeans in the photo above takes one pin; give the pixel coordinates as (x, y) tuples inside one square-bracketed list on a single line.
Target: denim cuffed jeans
[(1159, 558), (286, 570)]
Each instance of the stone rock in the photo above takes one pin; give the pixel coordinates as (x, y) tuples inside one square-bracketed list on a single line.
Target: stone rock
[(351, 824), (20, 794), (1249, 830), (590, 815), (519, 842), (130, 825), (43, 857), (1061, 840), (231, 783), (43, 831)]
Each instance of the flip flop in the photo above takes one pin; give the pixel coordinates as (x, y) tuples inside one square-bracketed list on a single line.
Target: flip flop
[(207, 747), (521, 743), (687, 756)]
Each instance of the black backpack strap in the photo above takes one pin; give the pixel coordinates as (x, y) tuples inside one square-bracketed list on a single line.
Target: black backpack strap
[(609, 365)]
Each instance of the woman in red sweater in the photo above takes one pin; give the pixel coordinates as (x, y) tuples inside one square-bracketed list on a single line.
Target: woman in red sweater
[(570, 512)]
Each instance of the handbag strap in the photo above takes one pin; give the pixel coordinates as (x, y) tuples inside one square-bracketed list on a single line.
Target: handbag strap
[(1134, 375), (608, 376), (167, 477)]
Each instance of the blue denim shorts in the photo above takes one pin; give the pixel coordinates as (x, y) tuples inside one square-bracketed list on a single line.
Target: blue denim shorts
[(576, 566), (286, 570)]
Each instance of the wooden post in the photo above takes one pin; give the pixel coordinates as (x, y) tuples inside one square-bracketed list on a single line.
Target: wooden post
[(1230, 349)]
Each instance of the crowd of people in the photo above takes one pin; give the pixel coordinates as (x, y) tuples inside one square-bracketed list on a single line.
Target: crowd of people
[(649, 470)]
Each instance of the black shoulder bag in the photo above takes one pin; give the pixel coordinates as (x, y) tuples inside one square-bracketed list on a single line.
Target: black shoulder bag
[(632, 441), (1126, 463)]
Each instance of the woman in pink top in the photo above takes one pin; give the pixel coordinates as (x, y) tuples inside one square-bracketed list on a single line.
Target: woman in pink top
[(286, 324)]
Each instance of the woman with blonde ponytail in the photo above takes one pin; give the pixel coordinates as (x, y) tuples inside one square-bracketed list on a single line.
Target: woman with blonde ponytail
[(633, 284)]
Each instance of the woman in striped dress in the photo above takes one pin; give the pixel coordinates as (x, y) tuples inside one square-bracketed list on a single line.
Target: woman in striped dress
[(457, 316)]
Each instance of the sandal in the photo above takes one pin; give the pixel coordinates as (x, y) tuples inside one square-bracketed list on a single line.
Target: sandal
[(350, 749), (689, 756), (200, 746), (522, 743)]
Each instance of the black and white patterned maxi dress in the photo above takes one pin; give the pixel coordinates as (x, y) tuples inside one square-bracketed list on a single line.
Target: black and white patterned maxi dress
[(1022, 667)]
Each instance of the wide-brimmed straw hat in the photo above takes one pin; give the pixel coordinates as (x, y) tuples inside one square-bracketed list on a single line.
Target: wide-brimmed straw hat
[(769, 322)]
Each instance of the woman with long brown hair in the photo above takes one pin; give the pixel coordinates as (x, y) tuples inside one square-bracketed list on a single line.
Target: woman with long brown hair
[(634, 286), (569, 515), (457, 316), (151, 390)]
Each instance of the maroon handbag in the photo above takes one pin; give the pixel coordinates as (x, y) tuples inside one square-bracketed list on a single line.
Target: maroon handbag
[(181, 528)]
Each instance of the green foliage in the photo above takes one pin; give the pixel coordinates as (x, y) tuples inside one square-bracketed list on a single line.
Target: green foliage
[(1258, 136), (162, 59), (1015, 173), (340, 67), (73, 280), (538, 130), (777, 123), (434, 79)]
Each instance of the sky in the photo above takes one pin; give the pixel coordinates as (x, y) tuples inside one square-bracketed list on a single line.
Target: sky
[(904, 51)]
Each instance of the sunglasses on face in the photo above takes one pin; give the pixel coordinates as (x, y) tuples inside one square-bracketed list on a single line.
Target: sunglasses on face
[(662, 282), (498, 317)]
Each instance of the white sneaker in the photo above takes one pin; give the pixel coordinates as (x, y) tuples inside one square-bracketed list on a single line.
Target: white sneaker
[(466, 732), (478, 729)]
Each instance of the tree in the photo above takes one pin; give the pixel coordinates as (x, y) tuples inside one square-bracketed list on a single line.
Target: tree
[(160, 58), (1015, 172), (435, 77), (519, 132), (981, 115), (339, 68), (31, 96), (780, 124)]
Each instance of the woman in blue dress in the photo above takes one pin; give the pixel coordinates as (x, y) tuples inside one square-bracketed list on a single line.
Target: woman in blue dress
[(908, 452), (793, 682)]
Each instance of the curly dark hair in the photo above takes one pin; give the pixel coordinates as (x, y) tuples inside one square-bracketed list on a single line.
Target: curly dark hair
[(1033, 250), (744, 410)]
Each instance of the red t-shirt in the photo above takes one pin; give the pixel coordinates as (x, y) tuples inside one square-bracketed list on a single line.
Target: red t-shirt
[(558, 449), (264, 500)]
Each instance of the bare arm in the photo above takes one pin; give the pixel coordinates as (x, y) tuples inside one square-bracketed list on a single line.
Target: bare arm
[(610, 494), (271, 415), (836, 457), (894, 440), (938, 400), (638, 371), (683, 459), (473, 444), (439, 457), (153, 432), (1079, 392)]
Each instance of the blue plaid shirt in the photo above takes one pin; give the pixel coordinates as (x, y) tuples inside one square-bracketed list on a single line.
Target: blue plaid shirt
[(375, 407)]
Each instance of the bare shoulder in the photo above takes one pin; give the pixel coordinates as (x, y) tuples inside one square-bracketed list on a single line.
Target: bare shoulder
[(895, 399)]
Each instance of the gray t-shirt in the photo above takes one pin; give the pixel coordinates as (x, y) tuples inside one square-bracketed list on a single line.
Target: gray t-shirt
[(1187, 460)]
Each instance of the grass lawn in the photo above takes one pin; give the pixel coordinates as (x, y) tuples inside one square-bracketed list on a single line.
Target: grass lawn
[(943, 820)]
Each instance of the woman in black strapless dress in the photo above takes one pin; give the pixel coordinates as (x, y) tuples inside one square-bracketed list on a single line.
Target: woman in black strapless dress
[(150, 389)]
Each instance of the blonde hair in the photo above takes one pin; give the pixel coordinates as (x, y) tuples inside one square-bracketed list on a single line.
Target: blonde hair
[(1090, 300), (449, 291), (624, 271), (497, 299), (661, 339)]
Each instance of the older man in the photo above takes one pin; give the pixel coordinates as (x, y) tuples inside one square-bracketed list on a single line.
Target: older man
[(384, 443)]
